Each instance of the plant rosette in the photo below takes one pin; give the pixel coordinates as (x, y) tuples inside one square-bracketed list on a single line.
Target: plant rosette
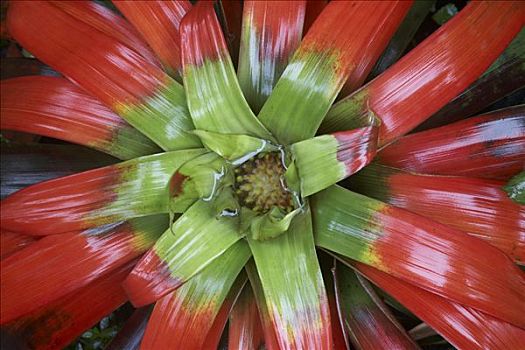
[(231, 178)]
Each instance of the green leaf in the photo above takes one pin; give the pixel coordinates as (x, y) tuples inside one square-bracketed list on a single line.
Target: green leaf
[(141, 190), (339, 155), (234, 148), (163, 117), (196, 239), (270, 225), (445, 13), (515, 188), (293, 287), (201, 177), (214, 96)]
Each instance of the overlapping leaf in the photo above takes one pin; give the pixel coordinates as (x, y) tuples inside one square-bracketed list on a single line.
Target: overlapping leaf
[(271, 31), (479, 207), (158, 23), (195, 240), (367, 322), (420, 251), (59, 323), (34, 277), (180, 319), (489, 146), (295, 297), (339, 47), (434, 72), (207, 70), (111, 69), (54, 107), (463, 326), (102, 196)]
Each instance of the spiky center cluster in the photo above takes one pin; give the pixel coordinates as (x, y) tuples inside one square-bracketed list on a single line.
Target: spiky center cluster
[(260, 185)]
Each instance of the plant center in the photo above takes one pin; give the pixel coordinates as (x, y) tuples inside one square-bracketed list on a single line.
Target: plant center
[(260, 184)]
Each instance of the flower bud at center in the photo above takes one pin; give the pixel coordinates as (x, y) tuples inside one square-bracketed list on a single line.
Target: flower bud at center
[(260, 185)]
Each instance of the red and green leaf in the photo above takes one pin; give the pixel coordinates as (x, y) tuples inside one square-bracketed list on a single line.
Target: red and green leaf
[(489, 146), (214, 335), (327, 263), (420, 251), (195, 240), (110, 69), (207, 70), (271, 32), (463, 326), (102, 196), (270, 337), (295, 296), (182, 319), (59, 323), (245, 330), (433, 73), (340, 155), (158, 22), (36, 276), (479, 207), (56, 108), (340, 46), (367, 322)]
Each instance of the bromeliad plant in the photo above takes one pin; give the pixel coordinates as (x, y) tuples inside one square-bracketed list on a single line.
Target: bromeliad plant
[(246, 164)]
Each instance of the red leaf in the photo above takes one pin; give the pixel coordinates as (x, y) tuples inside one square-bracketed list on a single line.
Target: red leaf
[(245, 330), (56, 108), (107, 67), (420, 251), (477, 206), (491, 146), (11, 242), (57, 265), (158, 22), (59, 205), (464, 327), (56, 325), (109, 23)]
